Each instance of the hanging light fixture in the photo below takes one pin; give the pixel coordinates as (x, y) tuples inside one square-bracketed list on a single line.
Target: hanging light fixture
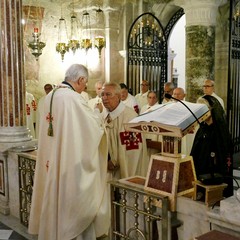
[(36, 45), (74, 43), (62, 46), (86, 41), (99, 40)]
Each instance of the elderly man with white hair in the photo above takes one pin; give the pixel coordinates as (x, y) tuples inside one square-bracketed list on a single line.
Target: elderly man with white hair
[(69, 191)]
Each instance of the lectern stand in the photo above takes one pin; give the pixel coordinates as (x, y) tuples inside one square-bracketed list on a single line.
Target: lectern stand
[(170, 173)]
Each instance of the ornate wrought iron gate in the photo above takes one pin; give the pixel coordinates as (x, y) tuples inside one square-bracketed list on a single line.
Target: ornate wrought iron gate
[(148, 52), (234, 75)]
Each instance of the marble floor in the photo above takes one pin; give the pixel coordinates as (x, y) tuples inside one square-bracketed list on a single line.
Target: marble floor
[(12, 229)]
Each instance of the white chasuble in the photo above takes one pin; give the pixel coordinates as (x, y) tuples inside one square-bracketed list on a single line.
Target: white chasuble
[(71, 169), (31, 108), (126, 149)]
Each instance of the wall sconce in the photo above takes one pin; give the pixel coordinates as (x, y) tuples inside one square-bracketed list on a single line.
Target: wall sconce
[(36, 46)]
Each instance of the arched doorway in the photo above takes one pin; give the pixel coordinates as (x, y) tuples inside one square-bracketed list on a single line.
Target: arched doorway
[(147, 52)]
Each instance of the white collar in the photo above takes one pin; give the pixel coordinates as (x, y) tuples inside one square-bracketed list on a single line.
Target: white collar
[(116, 112)]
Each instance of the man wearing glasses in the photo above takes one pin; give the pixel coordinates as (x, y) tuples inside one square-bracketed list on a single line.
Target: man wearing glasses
[(208, 89)]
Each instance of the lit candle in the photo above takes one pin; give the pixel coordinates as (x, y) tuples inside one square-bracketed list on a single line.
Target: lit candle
[(36, 30)]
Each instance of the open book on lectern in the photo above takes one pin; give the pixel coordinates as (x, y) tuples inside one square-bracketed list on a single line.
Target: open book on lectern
[(171, 119)]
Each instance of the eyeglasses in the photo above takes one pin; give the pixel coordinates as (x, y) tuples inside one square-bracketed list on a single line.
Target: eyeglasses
[(207, 86)]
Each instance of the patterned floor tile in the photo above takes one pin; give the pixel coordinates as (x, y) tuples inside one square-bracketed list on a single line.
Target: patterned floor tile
[(5, 234), (8, 234)]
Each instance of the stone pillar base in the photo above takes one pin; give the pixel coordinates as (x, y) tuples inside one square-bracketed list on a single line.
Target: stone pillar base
[(14, 134)]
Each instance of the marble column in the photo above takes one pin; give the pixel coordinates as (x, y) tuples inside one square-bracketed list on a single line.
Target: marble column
[(12, 84), (126, 22), (200, 43), (112, 56)]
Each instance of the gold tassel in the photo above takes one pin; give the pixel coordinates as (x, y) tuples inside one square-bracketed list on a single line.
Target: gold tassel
[(50, 130)]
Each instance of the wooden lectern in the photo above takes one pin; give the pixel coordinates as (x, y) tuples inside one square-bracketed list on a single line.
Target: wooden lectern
[(170, 173)]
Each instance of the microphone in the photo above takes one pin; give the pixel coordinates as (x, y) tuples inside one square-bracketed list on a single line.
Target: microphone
[(169, 96)]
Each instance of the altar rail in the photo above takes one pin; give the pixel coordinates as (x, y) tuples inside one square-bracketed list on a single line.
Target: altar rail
[(134, 215)]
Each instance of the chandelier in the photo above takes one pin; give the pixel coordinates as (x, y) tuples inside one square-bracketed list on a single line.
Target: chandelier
[(81, 37)]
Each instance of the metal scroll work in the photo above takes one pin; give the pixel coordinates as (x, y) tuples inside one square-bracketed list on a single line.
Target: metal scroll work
[(234, 76), (134, 215), (147, 53), (26, 175)]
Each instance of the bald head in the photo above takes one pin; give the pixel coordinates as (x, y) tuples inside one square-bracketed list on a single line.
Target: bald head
[(179, 93)]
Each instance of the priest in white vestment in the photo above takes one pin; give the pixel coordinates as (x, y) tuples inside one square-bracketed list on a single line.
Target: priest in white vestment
[(167, 88), (94, 101), (187, 140), (128, 99), (69, 192), (31, 108), (142, 96), (47, 88), (127, 150), (150, 137), (152, 102)]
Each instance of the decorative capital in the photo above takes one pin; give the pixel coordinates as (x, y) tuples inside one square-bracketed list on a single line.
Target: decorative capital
[(202, 12)]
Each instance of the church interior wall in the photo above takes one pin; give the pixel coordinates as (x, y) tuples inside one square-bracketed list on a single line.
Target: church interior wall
[(110, 67)]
